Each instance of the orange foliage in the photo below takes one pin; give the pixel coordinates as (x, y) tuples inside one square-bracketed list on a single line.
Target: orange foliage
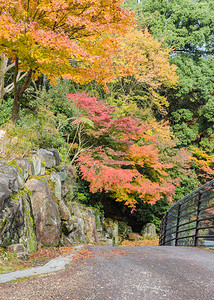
[(142, 55), (62, 38), (145, 242), (204, 164), (128, 165)]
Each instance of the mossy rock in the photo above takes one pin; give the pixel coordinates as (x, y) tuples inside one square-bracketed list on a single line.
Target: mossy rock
[(124, 229)]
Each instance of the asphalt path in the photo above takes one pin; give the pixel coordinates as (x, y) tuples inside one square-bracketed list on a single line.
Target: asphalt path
[(132, 273)]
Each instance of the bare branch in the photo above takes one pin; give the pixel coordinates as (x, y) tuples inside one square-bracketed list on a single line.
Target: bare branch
[(27, 81), (63, 123), (15, 77), (10, 67), (10, 87)]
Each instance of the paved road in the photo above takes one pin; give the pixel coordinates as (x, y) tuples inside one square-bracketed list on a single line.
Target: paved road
[(175, 273)]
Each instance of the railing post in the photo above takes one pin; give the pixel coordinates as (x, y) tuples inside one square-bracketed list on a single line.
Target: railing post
[(197, 218), (178, 223), (164, 230), (161, 233)]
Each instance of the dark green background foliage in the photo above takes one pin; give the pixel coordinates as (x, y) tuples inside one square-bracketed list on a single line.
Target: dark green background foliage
[(188, 26)]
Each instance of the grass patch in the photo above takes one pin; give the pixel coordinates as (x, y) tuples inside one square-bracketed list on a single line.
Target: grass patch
[(9, 261)]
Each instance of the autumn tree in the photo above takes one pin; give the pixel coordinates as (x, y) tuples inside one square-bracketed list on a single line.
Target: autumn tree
[(142, 66), (66, 38), (120, 155)]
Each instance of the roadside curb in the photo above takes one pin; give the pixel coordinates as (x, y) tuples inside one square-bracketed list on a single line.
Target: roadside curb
[(56, 264)]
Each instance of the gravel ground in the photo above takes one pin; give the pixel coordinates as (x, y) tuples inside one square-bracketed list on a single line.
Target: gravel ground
[(132, 273)]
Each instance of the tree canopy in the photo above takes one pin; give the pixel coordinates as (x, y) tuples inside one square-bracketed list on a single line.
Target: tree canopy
[(125, 160), (188, 27), (60, 38)]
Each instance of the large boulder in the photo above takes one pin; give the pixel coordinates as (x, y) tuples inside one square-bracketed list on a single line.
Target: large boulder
[(74, 229), (16, 181), (59, 178), (124, 230), (65, 241), (5, 193), (48, 158), (63, 173), (55, 178), (35, 165), (64, 191), (56, 155), (111, 228), (4, 180), (25, 166), (65, 214), (76, 209), (11, 220), (68, 187), (149, 230), (76, 223), (27, 232), (20, 251), (90, 226), (45, 211)]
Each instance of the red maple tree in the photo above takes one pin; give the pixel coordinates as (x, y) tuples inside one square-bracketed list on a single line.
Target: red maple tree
[(122, 157)]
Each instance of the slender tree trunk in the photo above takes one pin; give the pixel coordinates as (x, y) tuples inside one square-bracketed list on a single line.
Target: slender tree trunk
[(3, 67), (45, 82), (19, 90)]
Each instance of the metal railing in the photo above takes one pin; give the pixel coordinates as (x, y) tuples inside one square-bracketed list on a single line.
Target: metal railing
[(190, 221)]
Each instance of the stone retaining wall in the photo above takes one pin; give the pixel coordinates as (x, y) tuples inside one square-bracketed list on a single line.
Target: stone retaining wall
[(37, 208)]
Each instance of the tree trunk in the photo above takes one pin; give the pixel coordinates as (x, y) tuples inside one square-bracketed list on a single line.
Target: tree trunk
[(3, 68), (19, 90), (16, 108)]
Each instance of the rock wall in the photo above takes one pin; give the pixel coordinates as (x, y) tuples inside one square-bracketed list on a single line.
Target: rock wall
[(37, 206)]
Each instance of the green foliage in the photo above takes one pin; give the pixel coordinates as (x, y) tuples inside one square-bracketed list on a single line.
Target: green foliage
[(184, 128), (182, 115), (5, 111), (17, 143), (188, 183), (188, 26), (185, 133), (82, 194), (207, 143), (195, 79), (131, 105), (44, 126), (147, 213), (207, 111), (45, 122)]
